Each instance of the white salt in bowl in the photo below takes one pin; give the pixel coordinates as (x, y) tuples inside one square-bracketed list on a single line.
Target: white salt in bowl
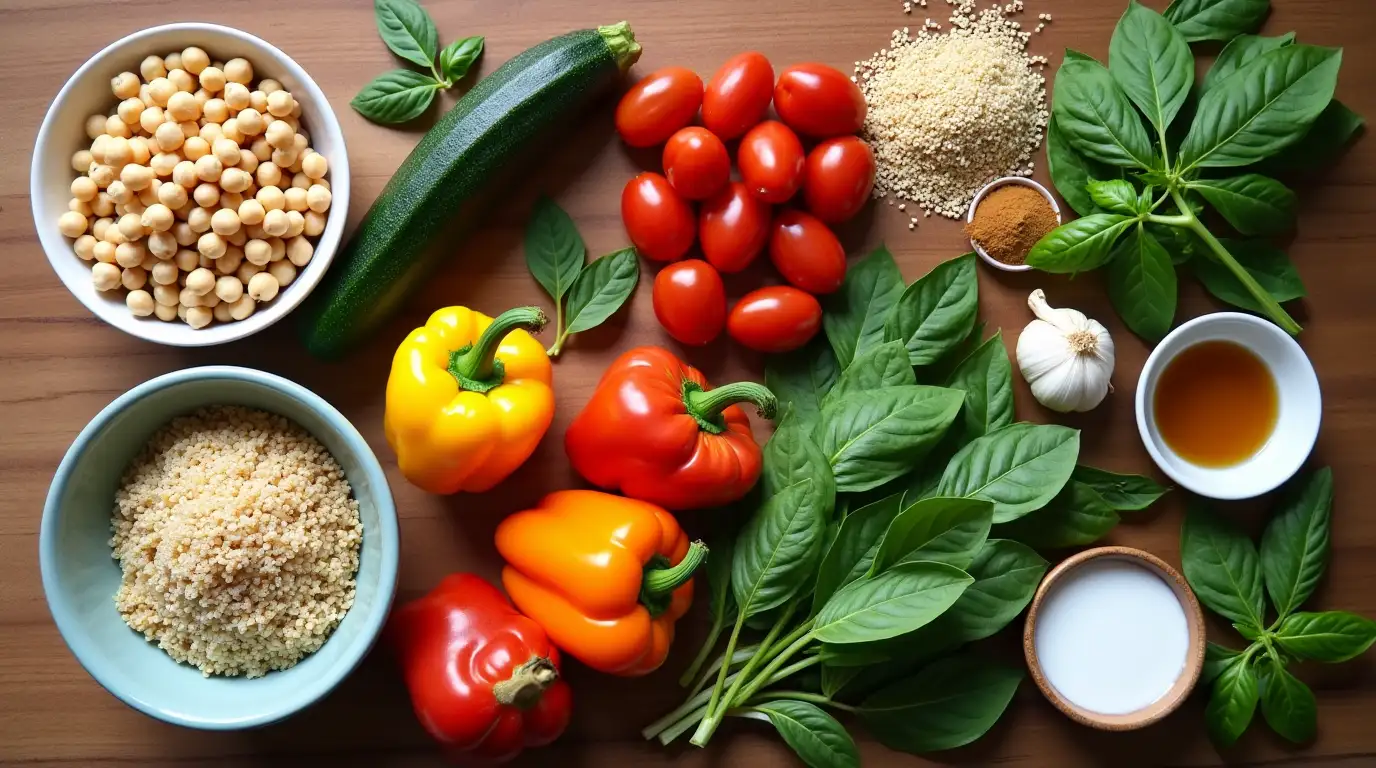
[(990, 187)]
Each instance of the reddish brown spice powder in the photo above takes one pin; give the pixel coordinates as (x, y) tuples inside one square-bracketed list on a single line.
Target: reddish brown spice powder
[(1009, 221)]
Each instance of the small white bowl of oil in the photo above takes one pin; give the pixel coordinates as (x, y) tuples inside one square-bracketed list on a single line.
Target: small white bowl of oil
[(1228, 406)]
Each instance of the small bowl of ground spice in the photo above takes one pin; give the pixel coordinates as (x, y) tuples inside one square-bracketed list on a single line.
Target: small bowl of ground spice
[(1007, 218)]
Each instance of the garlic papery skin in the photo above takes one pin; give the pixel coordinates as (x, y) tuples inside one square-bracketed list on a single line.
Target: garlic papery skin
[(1066, 357)]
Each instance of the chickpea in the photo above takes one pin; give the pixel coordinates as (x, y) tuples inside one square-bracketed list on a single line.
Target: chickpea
[(258, 100), (100, 225), (202, 96), (158, 218), (287, 158), (125, 85), (163, 163), (164, 312), (84, 189), (209, 168), (279, 248), (160, 89), (215, 110), (82, 207), (275, 222), (268, 175), (279, 134), (272, 198), (230, 200), (279, 103), (296, 224), (193, 60), (131, 226), (211, 245), (283, 271), (199, 317), (95, 126), (195, 148), (165, 273), (243, 308), (296, 199), (134, 206), (263, 287), (224, 222), (166, 293), (225, 151), (236, 95), (250, 122), (152, 67), (182, 106), (133, 278), (199, 220), (117, 127), (136, 177), (81, 160), (200, 281), (237, 71), (139, 146), (261, 149), (211, 132), (318, 198), (162, 245), (247, 270), (72, 224), (315, 166), (172, 195), (300, 181), (118, 153), (151, 118), (129, 110), (258, 252), (183, 80), (139, 302), (230, 130), (296, 109), (205, 262), (148, 196), (254, 231), (213, 79), (103, 205), (130, 254), (221, 313), (102, 175), (104, 252), (234, 256), (227, 288), (181, 312), (184, 174), (184, 234), (85, 247), (251, 212), (206, 195), (148, 261), (105, 277)]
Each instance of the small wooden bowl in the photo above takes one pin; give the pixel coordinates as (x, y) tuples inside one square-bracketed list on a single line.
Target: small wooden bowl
[(1194, 659)]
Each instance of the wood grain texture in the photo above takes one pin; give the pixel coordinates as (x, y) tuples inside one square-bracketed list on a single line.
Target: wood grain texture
[(60, 366)]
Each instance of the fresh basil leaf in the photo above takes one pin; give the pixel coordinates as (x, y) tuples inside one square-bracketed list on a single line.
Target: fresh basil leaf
[(936, 312), (1251, 634), (879, 367), (790, 457), (554, 249), (936, 530), (601, 289), (1266, 263), (777, 550), (870, 438), (721, 600), (855, 314), (1295, 544), (1073, 55), (897, 601), (1114, 196), (1240, 51), (1331, 637), (1123, 493), (948, 704), (1142, 284), (1020, 468), (1079, 246), (1254, 204), (1325, 141), (986, 378), (1096, 117), (458, 57), (1217, 658), (1287, 704), (408, 30), (1071, 172), (1267, 105), (1232, 703), (922, 483), (1216, 19), (853, 551), (395, 97), (1152, 63), (1076, 517), (1222, 566), (800, 379), (819, 740)]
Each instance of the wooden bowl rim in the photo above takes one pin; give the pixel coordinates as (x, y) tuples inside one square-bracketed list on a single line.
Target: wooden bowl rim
[(1194, 659)]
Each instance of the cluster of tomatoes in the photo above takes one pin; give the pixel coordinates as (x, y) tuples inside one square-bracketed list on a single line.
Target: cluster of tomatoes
[(734, 220)]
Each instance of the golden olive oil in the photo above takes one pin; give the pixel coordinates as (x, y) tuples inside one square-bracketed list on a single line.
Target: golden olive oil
[(1216, 404)]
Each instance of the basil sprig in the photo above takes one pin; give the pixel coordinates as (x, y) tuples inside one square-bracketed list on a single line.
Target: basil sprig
[(402, 95)]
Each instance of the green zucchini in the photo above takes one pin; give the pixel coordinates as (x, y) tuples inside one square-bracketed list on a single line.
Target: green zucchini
[(486, 131)]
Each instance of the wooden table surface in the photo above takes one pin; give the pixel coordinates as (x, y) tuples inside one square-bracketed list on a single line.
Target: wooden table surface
[(61, 366)]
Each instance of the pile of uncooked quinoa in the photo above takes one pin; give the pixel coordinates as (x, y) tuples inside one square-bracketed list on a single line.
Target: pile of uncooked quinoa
[(238, 538), (951, 110)]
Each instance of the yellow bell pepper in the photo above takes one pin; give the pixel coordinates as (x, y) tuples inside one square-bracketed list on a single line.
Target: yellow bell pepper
[(468, 398)]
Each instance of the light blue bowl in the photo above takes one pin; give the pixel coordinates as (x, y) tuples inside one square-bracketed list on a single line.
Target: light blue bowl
[(80, 577)]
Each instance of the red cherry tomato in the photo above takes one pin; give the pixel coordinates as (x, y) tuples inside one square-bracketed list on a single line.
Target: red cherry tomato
[(779, 318), (659, 222), (819, 101), (690, 301), (837, 178), (806, 253), (738, 95), (696, 163), (661, 103), (771, 161), (733, 228)]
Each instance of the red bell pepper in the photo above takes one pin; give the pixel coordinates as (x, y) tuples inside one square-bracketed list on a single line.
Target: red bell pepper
[(655, 430), (484, 679)]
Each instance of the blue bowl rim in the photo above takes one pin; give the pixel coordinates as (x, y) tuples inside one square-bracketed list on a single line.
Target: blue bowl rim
[(389, 534)]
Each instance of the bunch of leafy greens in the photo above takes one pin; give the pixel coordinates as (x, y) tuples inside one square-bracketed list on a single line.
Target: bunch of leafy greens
[(584, 295), (403, 94), (891, 528), (1227, 573), (1138, 148)]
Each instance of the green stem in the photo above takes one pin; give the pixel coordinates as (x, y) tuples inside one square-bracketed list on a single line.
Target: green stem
[(681, 727), (713, 713), (621, 42), (678, 722), (739, 658), (697, 701), (769, 672), (1270, 307), (713, 635), (715, 695), (1171, 221), (476, 367), (663, 581), (813, 698), (736, 694), (706, 405)]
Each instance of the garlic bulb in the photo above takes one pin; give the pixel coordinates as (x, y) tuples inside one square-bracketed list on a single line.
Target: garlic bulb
[(1065, 356)]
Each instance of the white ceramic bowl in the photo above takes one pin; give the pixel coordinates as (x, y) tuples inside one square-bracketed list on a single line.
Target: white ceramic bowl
[(87, 92), (990, 187), (1297, 419)]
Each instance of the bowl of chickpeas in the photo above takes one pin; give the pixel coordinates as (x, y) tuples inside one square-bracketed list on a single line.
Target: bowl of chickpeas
[(190, 184)]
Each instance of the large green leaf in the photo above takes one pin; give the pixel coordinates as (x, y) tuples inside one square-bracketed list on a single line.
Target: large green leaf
[(1020, 468), (1079, 246), (1286, 703), (872, 437), (1114, 196), (1332, 636), (1076, 517), (1006, 575), (819, 740), (790, 457), (1322, 145), (948, 704), (1097, 118), (1121, 492), (1217, 658), (1295, 544), (855, 315), (1240, 52), (1152, 63), (940, 530), (856, 544), (1142, 284), (878, 367), (896, 602), (937, 311), (1255, 205), (1268, 104), (1216, 19), (395, 97), (1232, 703), (986, 378), (408, 30), (1267, 264), (601, 289), (554, 249), (800, 379), (1071, 172), (777, 551), (1222, 566)]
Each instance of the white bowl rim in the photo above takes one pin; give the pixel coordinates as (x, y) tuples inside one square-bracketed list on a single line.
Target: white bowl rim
[(331, 240), (1147, 429), (389, 534), (990, 187)]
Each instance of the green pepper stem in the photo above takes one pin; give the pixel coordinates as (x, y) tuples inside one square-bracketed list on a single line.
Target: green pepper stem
[(662, 581), (706, 405), (526, 684), (621, 42), (475, 366)]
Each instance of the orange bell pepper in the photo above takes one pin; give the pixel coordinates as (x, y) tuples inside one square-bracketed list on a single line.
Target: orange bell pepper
[(606, 576)]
